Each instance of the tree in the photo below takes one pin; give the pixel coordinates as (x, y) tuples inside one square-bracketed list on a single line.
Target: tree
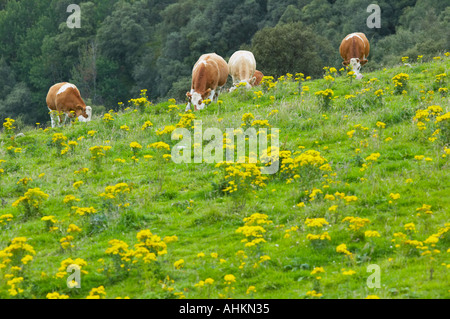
[(290, 48)]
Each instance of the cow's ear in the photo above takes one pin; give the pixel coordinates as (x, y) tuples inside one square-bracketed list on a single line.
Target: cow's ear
[(363, 62), (253, 80), (358, 60), (208, 93), (345, 63)]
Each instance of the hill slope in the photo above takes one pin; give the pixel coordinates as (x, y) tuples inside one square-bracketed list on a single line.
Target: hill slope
[(145, 227)]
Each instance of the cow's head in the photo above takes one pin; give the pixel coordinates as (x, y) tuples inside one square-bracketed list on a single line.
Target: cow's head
[(88, 112), (247, 84), (78, 111), (356, 65), (196, 99)]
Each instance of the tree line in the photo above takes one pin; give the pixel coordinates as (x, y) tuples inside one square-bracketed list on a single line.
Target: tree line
[(124, 46)]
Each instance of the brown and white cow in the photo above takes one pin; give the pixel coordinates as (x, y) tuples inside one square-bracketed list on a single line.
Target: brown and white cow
[(355, 49), (208, 75), (64, 98), (259, 76), (242, 67)]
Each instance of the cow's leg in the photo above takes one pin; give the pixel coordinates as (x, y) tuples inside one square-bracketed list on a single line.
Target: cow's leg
[(52, 117), (212, 95), (61, 122)]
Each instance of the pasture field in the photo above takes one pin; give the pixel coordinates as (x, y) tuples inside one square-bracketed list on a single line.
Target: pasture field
[(363, 180)]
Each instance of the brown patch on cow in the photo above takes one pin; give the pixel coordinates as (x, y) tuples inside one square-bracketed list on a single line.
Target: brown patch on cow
[(258, 78)]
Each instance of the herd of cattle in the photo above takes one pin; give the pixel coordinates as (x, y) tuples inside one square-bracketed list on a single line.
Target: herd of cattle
[(209, 75)]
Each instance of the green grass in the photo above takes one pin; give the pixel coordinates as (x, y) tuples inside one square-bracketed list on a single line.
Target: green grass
[(187, 200)]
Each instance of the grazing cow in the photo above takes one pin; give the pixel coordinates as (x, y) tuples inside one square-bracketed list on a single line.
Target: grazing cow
[(354, 50), (242, 67), (208, 75), (259, 76), (64, 98)]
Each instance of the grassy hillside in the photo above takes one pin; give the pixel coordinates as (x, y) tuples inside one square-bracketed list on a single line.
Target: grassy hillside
[(142, 226)]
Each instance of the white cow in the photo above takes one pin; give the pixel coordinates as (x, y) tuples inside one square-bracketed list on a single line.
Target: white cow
[(242, 67)]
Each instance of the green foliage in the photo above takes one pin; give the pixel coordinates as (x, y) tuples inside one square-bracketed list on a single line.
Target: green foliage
[(290, 48)]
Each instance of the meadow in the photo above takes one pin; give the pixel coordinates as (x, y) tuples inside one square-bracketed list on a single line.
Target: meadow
[(363, 180)]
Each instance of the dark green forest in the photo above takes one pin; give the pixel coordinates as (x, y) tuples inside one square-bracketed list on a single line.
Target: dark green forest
[(124, 46)]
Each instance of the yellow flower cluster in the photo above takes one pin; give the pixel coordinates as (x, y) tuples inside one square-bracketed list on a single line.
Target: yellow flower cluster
[(167, 130), (348, 272), (14, 150), (159, 146), (342, 248), (290, 230), (268, 83), (186, 121), (18, 253), (98, 152), (84, 211), (252, 229), (321, 237), (292, 164), (313, 294), (179, 264), (34, 197), (440, 78), (9, 124), (425, 208), (400, 80), (261, 124), (135, 145), (4, 219), (120, 252), (316, 222), (73, 229), (371, 233), (107, 118), (325, 94), (242, 176), (317, 270), (202, 283), (66, 242), (146, 125), (24, 181), (97, 293), (247, 119), (149, 246), (141, 103), (50, 222), (69, 199), (78, 263), (56, 295), (356, 223), (229, 279), (117, 194), (14, 290)]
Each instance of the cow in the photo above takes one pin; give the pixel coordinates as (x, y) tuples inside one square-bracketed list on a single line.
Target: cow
[(259, 76), (242, 67), (209, 74), (354, 51), (65, 99)]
